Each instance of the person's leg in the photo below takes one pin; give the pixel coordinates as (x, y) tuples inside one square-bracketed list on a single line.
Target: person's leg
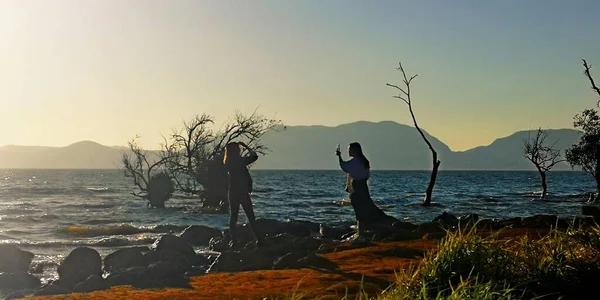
[(249, 210), (234, 209)]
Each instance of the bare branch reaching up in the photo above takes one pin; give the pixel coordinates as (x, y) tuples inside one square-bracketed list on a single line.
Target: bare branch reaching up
[(589, 76)]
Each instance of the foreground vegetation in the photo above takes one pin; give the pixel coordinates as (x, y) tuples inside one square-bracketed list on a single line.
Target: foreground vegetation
[(474, 265)]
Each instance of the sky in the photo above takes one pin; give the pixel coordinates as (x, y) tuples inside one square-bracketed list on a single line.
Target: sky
[(108, 70)]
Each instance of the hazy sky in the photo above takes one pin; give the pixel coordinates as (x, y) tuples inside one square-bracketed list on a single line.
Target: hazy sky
[(108, 70)]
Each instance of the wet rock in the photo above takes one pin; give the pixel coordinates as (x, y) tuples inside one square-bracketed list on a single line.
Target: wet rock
[(334, 232), (200, 235), (18, 281), (174, 250), (256, 260), (313, 227), (287, 260), (93, 283), (13, 259), (217, 244), (243, 234), (294, 228), (52, 289), (123, 259), (130, 276), (446, 219), (314, 261), (80, 264), (226, 262), (404, 225), (540, 221)]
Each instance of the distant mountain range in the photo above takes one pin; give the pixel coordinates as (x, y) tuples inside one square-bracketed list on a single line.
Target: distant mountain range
[(389, 146)]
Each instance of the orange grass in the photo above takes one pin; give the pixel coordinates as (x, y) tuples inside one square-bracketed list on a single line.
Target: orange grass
[(380, 261)]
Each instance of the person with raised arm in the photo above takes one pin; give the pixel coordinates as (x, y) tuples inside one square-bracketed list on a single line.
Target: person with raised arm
[(240, 187), (358, 170)]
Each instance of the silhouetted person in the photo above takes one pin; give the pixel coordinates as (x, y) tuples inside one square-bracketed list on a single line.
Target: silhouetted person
[(240, 186), (358, 170)]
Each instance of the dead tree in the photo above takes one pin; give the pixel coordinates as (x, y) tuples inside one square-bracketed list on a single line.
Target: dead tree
[(541, 155), (591, 79), (148, 175), (404, 95)]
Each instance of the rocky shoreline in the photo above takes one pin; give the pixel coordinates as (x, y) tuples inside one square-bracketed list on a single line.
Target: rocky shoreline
[(171, 260)]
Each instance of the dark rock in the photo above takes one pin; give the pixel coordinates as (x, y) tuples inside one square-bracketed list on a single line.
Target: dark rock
[(243, 234), (93, 283), (18, 281), (13, 259), (169, 243), (123, 259), (510, 223), (130, 276), (430, 227), (540, 221), (287, 260), (200, 235), (404, 225), (197, 271), (468, 220), (313, 227), (314, 261), (226, 262), (310, 243), (488, 224), (591, 210), (256, 260), (446, 219), (174, 250), (294, 228), (80, 264), (584, 221), (334, 232), (267, 227), (217, 244), (18, 294), (52, 289)]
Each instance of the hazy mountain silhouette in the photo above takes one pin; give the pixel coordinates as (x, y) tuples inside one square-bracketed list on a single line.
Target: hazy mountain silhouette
[(389, 146)]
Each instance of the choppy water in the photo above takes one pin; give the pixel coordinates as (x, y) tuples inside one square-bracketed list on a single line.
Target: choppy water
[(50, 212)]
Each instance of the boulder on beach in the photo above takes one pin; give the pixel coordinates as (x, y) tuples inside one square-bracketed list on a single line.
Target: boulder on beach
[(79, 265), (93, 283), (18, 281), (199, 235), (13, 259), (124, 258)]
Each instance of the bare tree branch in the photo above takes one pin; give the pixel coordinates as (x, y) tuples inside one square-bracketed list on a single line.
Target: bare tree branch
[(591, 79)]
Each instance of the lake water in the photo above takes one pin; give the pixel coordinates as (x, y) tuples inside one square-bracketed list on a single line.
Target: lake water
[(50, 212)]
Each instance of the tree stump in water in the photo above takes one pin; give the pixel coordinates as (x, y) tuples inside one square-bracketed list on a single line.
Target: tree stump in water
[(160, 189)]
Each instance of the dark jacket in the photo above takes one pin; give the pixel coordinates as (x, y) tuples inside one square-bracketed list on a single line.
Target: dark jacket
[(240, 180)]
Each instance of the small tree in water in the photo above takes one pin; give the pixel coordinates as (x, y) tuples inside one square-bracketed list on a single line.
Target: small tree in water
[(404, 95), (148, 175), (543, 156), (586, 153)]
